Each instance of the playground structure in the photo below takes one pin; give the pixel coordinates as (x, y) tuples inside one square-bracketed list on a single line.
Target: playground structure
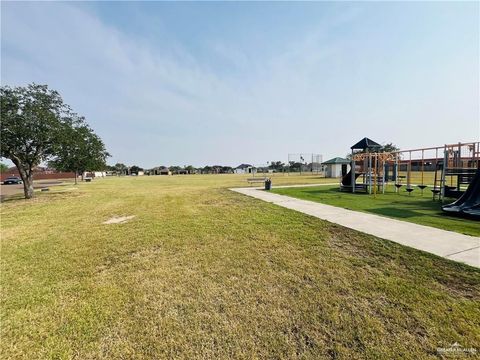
[(368, 163), (447, 170)]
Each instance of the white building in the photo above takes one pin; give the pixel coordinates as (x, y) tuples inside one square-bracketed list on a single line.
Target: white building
[(94, 174), (336, 167), (245, 169)]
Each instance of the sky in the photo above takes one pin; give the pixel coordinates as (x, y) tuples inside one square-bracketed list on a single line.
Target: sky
[(179, 83)]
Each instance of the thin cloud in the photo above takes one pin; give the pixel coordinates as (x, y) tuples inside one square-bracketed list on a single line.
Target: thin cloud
[(161, 103)]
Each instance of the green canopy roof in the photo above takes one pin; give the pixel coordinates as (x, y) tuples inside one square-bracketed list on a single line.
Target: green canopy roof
[(336, 160)]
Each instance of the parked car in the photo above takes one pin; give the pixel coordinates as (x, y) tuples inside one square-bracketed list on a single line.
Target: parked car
[(12, 180)]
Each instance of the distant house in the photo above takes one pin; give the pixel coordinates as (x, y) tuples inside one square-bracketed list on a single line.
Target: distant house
[(135, 170), (336, 167), (159, 170), (163, 171), (244, 169)]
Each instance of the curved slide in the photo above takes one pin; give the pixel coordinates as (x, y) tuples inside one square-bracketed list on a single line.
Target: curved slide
[(468, 205), (347, 179)]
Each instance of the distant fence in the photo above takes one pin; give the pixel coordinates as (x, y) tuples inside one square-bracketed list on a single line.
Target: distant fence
[(41, 176), (305, 162)]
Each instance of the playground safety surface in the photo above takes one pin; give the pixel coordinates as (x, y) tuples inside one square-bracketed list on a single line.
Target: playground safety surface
[(447, 244)]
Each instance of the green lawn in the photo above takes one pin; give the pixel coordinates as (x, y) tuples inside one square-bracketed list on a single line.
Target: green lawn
[(413, 208), (203, 272)]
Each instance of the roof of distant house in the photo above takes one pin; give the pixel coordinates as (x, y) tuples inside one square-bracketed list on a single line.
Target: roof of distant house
[(336, 160), (243, 166)]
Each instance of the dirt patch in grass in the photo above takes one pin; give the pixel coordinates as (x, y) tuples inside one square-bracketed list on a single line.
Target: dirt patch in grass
[(119, 219)]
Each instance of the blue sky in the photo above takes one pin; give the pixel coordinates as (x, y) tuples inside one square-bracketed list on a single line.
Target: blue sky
[(227, 83)]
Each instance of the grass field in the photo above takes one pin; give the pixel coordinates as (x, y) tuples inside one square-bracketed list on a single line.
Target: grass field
[(413, 208), (203, 272)]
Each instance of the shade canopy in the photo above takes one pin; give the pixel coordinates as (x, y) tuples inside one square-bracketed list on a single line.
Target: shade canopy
[(366, 144), (337, 160)]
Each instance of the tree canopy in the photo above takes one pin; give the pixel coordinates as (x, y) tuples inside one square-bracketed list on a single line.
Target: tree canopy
[(81, 149), (135, 169), (38, 126), (277, 165)]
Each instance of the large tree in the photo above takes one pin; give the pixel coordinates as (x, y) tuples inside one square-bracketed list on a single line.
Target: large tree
[(174, 169), (82, 150), (121, 168), (135, 169), (190, 169), (32, 121), (390, 147), (295, 166), (37, 126), (277, 166)]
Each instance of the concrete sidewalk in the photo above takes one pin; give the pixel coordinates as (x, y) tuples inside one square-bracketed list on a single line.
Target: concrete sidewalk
[(293, 186), (448, 244)]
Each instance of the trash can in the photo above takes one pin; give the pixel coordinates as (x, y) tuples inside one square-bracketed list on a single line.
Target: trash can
[(268, 184)]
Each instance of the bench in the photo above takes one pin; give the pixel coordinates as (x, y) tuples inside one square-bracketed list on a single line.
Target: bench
[(256, 180)]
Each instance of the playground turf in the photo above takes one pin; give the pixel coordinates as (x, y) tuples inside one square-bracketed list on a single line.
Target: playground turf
[(413, 208), (203, 272)]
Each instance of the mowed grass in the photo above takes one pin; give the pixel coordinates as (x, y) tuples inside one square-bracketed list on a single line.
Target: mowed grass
[(203, 272), (413, 208)]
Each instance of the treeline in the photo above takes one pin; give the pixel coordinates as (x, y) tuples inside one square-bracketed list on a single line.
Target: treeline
[(273, 166), (122, 169)]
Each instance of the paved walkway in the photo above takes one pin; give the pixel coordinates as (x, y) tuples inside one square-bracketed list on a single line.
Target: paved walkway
[(294, 186), (448, 244)]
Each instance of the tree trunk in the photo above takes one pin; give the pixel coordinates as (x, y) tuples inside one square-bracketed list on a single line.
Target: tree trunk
[(28, 187), (27, 179), (76, 176)]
